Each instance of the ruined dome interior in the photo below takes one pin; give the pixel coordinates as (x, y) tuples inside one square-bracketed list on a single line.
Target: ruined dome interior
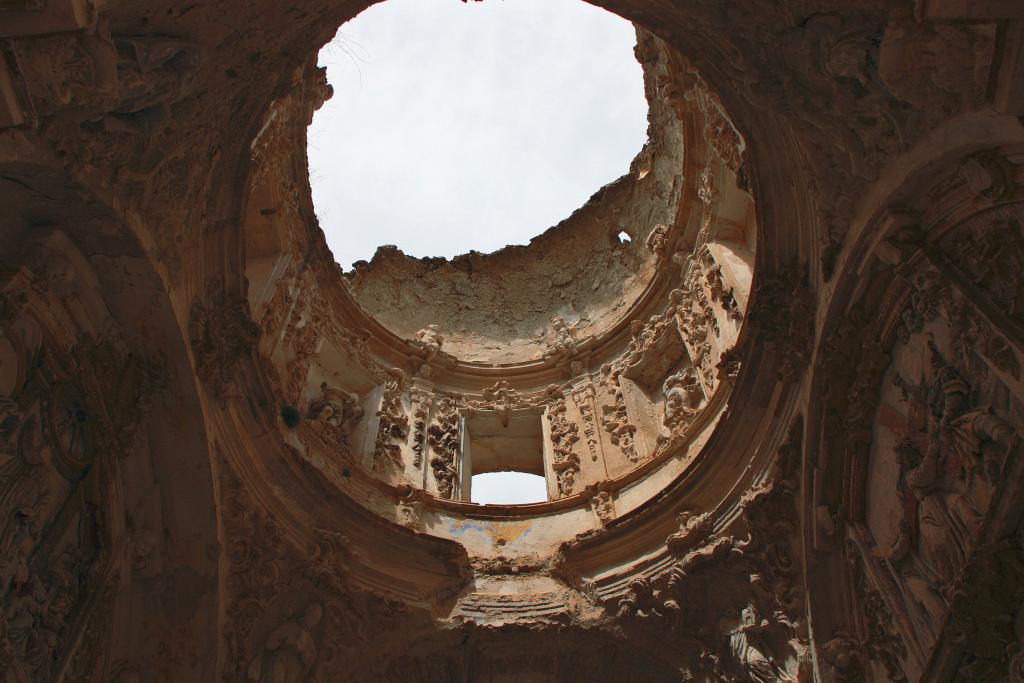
[(778, 427)]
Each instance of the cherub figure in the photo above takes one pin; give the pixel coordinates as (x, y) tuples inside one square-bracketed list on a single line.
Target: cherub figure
[(429, 340), (561, 338)]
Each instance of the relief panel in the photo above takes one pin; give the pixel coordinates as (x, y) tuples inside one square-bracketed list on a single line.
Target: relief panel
[(943, 431)]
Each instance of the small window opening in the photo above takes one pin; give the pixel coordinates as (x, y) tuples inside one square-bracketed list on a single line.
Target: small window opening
[(509, 488), (623, 238), (504, 457)]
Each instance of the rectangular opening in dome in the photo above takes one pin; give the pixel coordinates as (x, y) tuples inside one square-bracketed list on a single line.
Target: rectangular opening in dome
[(504, 442)]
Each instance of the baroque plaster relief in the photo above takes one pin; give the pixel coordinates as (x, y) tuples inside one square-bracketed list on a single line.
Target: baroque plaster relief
[(793, 398)]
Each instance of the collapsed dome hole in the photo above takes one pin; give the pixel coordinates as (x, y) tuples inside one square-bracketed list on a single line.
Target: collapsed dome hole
[(458, 127)]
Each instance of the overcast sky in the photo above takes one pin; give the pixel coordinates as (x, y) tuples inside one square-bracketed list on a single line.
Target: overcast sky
[(471, 126)]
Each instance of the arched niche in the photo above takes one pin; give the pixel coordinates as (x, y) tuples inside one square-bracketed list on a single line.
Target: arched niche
[(918, 408), (107, 514)]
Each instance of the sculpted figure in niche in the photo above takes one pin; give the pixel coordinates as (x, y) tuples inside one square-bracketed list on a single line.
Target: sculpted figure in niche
[(747, 643), (643, 601), (644, 334), (947, 466), (289, 652), (927, 547), (336, 409), (973, 438)]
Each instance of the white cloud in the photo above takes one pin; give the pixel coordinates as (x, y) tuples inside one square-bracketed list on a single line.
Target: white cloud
[(470, 126)]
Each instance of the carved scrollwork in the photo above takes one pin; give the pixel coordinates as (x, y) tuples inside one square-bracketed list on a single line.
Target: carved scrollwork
[(443, 437), (564, 435), (584, 400), (950, 459), (843, 659), (783, 310), (422, 402), (410, 509), (684, 397), (614, 417), (748, 579), (335, 412), (222, 335), (393, 423), (975, 335), (927, 292)]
